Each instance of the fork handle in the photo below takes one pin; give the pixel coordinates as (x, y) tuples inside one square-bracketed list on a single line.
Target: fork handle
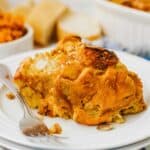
[(7, 79), (27, 110), (12, 88)]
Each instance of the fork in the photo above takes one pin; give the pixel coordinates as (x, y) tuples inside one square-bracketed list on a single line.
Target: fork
[(30, 125)]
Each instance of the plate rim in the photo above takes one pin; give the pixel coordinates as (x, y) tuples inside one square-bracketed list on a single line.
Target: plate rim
[(32, 53)]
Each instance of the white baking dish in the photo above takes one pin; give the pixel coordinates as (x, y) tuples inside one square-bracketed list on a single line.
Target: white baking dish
[(127, 26)]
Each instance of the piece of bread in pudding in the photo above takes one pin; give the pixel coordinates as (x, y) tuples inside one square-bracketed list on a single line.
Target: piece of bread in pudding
[(87, 84), (71, 23)]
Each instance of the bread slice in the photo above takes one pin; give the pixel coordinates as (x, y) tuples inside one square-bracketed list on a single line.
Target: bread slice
[(24, 9), (43, 18), (4, 5), (72, 23)]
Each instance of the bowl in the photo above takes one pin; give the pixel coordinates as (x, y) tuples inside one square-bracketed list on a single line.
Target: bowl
[(126, 26), (19, 45)]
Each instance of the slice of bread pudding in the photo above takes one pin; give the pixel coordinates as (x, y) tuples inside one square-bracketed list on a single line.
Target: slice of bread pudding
[(87, 84)]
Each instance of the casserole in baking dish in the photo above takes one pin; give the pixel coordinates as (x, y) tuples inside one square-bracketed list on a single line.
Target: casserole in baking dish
[(127, 26), (143, 5)]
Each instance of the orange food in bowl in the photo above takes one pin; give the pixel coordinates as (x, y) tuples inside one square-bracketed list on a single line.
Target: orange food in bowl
[(137, 4), (11, 27)]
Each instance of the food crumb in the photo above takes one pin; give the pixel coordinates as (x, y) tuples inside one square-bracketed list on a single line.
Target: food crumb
[(36, 130), (10, 96), (55, 129), (105, 127)]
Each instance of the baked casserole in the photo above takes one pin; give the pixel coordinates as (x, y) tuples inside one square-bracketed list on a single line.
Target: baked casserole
[(143, 5), (77, 81)]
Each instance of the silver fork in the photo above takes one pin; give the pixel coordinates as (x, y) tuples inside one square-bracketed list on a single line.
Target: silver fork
[(30, 125)]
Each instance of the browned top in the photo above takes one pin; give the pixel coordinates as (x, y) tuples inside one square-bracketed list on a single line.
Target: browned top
[(97, 57), (100, 58)]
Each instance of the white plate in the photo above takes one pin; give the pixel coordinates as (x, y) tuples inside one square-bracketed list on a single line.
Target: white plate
[(13, 146), (136, 128)]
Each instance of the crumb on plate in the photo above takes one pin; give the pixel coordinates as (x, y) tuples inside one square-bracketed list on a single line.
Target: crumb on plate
[(55, 129), (105, 127), (10, 96), (36, 130)]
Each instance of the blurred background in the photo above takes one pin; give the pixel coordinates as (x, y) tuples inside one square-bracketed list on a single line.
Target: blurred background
[(100, 21)]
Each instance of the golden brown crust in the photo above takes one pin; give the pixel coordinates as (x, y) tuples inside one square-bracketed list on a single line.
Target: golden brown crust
[(88, 84), (100, 58)]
